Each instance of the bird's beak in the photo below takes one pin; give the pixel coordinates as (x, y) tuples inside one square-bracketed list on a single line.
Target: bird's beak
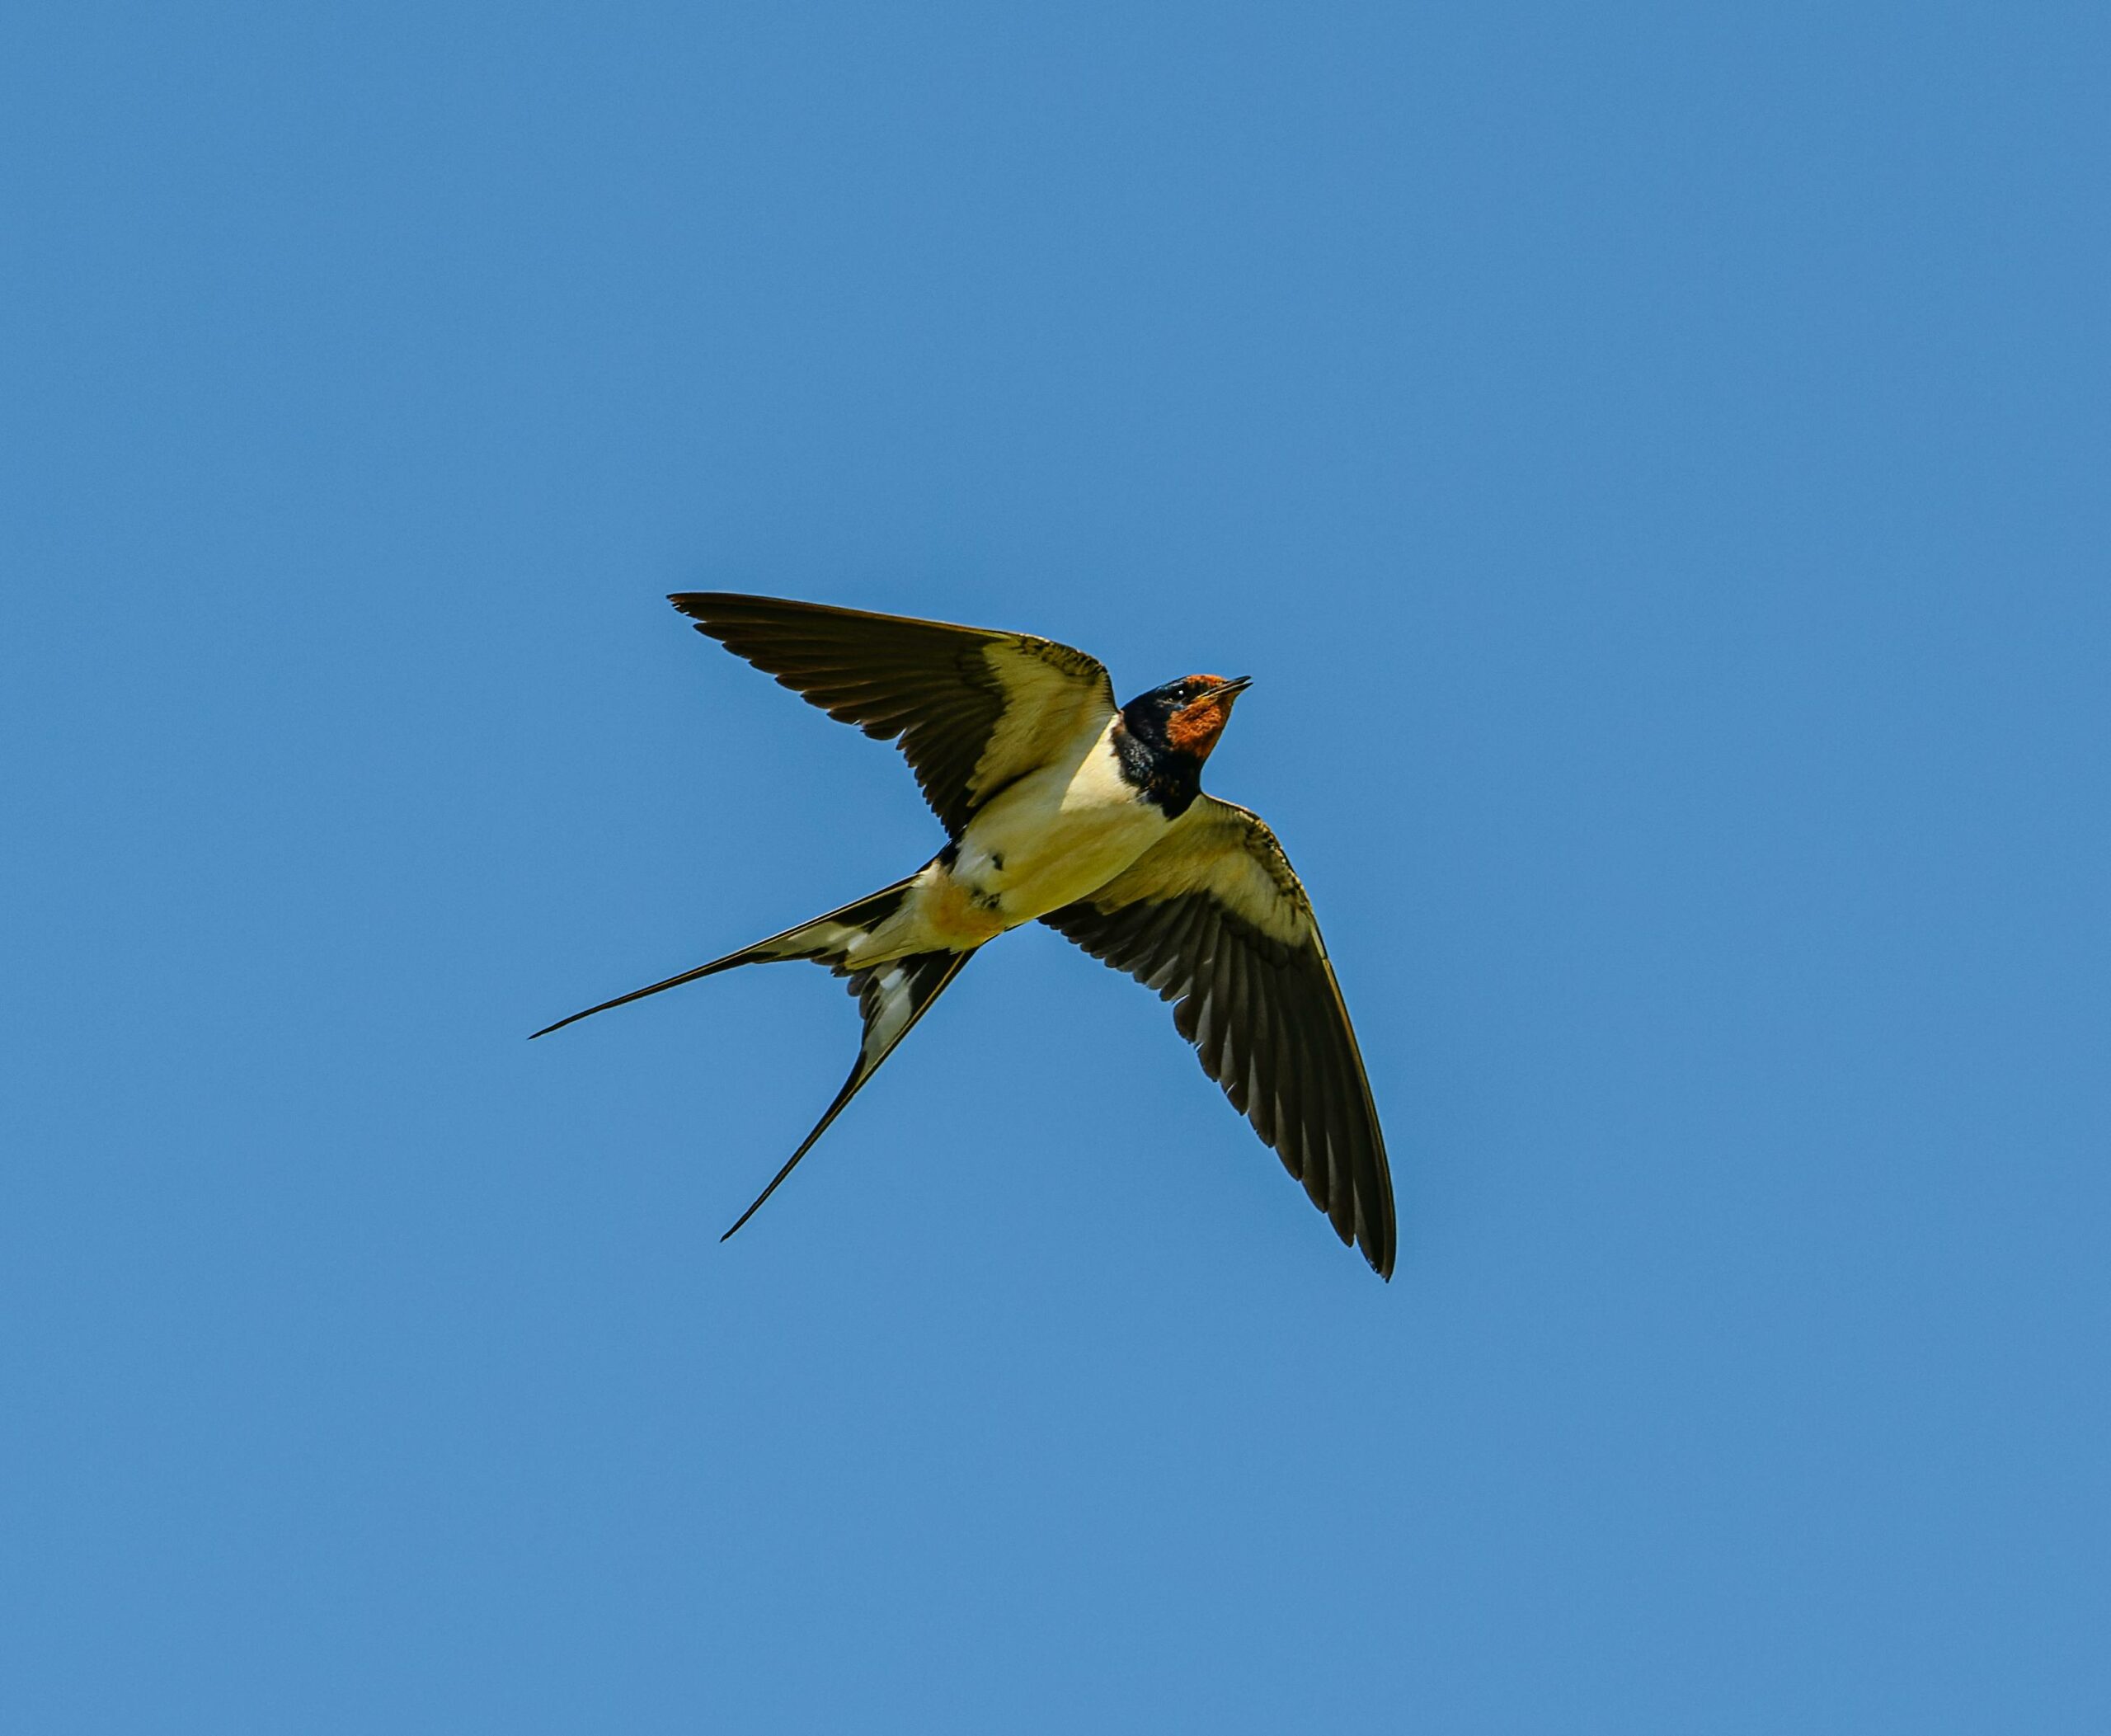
[(1231, 690)]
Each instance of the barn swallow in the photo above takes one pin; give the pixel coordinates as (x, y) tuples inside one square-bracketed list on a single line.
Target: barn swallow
[(1061, 806)]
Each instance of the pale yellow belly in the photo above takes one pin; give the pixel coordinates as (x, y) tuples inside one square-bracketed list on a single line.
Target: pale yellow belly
[(1049, 840)]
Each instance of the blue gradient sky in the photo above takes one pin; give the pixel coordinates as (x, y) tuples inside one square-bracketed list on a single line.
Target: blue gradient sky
[(1653, 460)]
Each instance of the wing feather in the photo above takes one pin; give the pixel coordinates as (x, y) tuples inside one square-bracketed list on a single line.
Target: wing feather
[(1214, 919), (974, 709)]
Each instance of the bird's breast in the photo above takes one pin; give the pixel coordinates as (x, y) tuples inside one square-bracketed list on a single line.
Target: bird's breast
[(1054, 835)]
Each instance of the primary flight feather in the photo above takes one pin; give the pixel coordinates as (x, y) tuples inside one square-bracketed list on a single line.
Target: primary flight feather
[(1061, 806)]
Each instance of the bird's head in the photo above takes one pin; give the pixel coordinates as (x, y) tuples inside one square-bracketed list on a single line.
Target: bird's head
[(1187, 716)]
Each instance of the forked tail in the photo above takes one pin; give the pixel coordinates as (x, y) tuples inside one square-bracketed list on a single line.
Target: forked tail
[(891, 996), (825, 940)]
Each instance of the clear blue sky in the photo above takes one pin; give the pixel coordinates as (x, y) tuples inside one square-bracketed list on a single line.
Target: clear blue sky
[(1654, 461)]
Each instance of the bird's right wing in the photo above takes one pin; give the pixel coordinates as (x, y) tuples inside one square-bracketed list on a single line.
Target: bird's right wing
[(974, 709), (1214, 918)]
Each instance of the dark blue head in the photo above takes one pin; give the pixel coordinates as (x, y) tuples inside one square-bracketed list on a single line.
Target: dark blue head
[(1187, 716)]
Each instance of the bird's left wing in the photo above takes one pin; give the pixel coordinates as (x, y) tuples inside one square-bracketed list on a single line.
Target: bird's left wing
[(1214, 918), (974, 708)]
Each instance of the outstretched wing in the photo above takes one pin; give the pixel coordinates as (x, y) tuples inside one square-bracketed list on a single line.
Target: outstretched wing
[(1214, 918), (974, 709)]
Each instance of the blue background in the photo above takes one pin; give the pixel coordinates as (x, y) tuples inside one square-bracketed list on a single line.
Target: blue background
[(1653, 460)]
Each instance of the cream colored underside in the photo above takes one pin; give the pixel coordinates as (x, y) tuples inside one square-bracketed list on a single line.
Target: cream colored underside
[(1055, 835)]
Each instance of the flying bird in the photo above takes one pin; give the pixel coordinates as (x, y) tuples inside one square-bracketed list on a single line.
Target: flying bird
[(1061, 806)]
